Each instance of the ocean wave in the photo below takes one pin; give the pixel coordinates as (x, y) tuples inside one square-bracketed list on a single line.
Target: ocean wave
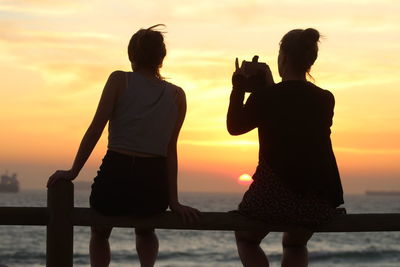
[(27, 258), (357, 256), (22, 257)]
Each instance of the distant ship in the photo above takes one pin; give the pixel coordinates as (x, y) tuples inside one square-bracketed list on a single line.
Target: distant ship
[(383, 193), (9, 183)]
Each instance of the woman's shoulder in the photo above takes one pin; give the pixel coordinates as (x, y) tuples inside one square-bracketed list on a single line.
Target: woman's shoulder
[(175, 89), (117, 75), (116, 81), (288, 87), (318, 88), (322, 91), (296, 87), (324, 94)]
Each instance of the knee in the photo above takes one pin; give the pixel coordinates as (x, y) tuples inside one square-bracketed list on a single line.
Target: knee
[(294, 241), (250, 238), (101, 232)]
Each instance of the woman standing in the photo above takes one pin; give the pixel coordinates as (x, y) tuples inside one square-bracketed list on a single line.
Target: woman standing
[(297, 179), (138, 175)]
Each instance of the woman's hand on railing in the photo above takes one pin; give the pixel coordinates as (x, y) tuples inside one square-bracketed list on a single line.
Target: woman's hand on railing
[(187, 213), (68, 175)]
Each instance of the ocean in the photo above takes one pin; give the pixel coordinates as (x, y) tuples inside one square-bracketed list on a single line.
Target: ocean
[(25, 246)]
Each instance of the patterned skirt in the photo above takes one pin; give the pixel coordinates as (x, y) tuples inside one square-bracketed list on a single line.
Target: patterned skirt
[(270, 200)]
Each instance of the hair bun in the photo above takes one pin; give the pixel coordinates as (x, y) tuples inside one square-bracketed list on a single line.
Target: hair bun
[(301, 46), (310, 35)]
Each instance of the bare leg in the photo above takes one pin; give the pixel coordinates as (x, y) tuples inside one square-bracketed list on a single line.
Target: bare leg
[(295, 253), (99, 247), (250, 252), (146, 246)]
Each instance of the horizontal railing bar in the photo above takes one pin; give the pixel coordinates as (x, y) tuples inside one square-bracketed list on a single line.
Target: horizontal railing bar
[(233, 221), (24, 216), (227, 221), (370, 222)]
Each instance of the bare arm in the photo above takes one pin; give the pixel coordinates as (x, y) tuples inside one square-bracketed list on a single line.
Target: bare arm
[(172, 159), (95, 129), (186, 212)]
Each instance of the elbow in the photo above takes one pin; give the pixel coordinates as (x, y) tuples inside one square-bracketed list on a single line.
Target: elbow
[(234, 133), (238, 128), (233, 130)]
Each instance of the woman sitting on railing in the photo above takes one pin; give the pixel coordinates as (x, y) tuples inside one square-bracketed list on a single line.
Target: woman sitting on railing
[(297, 179), (138, 175)]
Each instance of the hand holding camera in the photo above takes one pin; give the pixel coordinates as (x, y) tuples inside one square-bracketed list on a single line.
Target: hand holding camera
[(251, 75)]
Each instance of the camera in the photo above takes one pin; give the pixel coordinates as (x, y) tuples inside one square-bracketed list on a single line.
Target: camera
[(253, 75), (252, 68)]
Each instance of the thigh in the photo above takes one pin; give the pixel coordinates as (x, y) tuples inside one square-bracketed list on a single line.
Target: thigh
[(296, 238), (250, 236)]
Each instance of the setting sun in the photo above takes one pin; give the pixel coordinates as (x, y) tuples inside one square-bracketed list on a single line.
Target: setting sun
[(245, 179)]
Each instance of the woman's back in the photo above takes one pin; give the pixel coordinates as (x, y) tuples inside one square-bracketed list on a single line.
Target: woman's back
[(293, 120), (145, 115)]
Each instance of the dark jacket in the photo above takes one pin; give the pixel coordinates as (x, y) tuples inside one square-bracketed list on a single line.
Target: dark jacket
[(293, 120)]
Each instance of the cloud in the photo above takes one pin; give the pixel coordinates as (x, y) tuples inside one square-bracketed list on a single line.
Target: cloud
[(75, 76), (70, 60), (12, 32), (40, 7), (33, 2)]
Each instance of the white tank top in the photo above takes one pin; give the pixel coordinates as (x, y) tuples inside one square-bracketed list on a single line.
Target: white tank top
[(144, 116)]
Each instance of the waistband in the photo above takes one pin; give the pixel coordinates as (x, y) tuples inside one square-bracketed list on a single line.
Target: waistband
[(131, 158)]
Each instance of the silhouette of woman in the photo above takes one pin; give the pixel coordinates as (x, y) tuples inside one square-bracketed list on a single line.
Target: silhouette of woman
[(297, 179), (138, 175)]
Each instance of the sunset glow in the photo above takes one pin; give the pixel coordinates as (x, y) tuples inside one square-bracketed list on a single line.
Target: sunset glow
[(245, 179), (55, 57)]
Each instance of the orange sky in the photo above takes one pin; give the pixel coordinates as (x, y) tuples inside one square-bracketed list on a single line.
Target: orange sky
[(55, 57)]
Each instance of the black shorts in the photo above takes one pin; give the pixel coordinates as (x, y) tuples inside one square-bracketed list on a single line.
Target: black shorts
[(130, 185)]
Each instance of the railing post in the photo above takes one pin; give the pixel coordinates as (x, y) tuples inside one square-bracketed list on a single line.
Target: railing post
[(60, 202)]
